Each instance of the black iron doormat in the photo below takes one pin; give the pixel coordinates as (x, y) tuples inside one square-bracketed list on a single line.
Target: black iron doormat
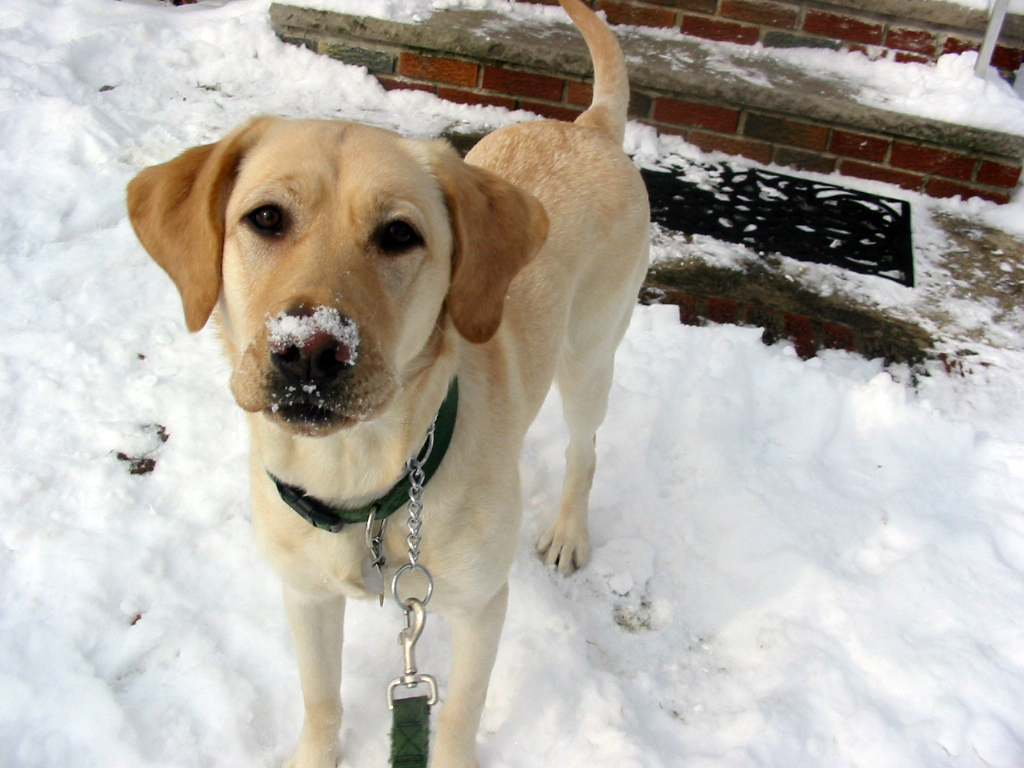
[(773, 213)]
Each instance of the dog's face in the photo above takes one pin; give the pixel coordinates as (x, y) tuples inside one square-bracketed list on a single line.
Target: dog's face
[(336, 263), (335, 252)]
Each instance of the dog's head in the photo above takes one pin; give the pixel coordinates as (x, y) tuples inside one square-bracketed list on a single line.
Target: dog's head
[(334, 252)]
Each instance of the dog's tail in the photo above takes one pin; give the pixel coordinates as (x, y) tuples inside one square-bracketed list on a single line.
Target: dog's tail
[(607, 112)]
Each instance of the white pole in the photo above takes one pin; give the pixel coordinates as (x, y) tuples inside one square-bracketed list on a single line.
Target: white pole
[(996, 14)]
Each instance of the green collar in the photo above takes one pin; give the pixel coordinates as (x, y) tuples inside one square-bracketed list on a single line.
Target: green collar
[(431, 455)]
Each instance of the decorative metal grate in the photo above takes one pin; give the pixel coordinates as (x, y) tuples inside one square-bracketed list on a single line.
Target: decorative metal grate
[(772, 213)]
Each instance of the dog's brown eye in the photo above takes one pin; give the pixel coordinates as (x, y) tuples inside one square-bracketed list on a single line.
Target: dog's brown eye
[(397, 237), (268, 219)]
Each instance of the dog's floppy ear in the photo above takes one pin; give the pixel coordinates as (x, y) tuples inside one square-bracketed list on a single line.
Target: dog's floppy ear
[(498, 229), (177, 210)]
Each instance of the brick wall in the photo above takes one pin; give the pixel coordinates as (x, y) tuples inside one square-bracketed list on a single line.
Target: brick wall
[(822, 148), (809, 24), (468, 82)]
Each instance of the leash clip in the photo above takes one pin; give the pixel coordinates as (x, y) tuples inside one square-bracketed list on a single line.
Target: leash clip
[(415, 618)]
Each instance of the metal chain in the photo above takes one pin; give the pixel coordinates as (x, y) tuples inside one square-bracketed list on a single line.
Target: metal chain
[(414, 539), (416, 481), (413, 607)]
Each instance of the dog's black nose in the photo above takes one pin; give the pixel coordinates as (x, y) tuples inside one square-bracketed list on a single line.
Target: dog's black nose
[(312, 346), (322, 358)]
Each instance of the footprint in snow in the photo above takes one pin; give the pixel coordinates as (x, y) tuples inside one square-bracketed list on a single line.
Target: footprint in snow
[(625, 566)]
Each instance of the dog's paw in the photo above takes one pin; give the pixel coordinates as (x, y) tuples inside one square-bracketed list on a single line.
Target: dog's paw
[(565, 547)]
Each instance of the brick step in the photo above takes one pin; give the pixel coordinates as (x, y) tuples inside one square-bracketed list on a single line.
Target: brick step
[(902, 30), (885, 339), (720, 98)]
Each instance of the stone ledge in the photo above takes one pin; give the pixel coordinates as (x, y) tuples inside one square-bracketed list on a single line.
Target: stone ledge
[(678, 66)]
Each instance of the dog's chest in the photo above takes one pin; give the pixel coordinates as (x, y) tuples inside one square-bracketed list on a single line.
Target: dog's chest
[(313, 560)]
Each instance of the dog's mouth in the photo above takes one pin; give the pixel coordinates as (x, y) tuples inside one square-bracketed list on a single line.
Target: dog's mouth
[(307, 412), (315, 412)]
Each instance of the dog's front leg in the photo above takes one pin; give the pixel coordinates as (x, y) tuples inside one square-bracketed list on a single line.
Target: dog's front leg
[(318, 625), (475, 636)]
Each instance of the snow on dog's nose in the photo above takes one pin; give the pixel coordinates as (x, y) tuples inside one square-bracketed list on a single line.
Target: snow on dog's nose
[(312, 346)]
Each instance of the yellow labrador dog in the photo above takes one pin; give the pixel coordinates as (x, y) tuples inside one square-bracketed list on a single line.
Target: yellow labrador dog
[(354, 275)]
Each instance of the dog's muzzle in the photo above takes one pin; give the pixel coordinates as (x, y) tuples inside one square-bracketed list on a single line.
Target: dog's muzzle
[(312, 353)]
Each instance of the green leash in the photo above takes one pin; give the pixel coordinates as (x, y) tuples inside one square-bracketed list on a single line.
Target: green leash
[(410, 732), (410, 729)]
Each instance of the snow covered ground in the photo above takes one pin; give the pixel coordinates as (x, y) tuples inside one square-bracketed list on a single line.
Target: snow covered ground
[(800, 564)]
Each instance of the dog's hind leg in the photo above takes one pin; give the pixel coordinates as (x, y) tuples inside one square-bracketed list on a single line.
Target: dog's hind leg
[(584, 378), (318, 628)]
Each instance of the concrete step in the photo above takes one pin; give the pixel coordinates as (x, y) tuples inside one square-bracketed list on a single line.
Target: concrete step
[(719, 97)]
